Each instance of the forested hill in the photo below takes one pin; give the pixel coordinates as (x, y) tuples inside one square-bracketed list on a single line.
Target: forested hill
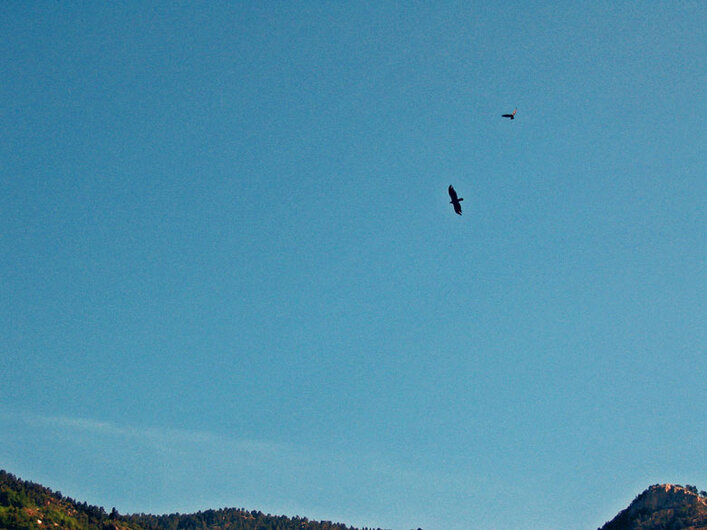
[(26, 505)]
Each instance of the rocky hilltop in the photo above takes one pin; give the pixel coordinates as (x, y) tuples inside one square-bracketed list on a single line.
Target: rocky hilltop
[(663, 507)]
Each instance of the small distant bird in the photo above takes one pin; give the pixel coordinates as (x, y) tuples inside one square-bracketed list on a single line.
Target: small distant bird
[(455, 200), (512, 115)]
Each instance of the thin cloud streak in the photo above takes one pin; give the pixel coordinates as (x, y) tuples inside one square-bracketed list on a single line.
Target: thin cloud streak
[(164, 466), (157, 437)]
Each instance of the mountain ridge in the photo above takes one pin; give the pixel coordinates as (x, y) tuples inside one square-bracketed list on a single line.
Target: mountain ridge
[(25, 505)]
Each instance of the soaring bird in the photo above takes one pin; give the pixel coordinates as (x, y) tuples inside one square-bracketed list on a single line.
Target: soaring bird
[(455, 200), (511, 115)]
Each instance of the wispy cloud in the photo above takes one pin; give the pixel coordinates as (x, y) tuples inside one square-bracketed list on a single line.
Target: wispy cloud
[(164, 469), (157, 437)]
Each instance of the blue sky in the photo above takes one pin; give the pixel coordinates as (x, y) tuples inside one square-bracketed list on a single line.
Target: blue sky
[(230, 275)]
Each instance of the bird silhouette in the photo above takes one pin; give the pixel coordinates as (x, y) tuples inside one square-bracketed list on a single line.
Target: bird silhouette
[(455, 200), (511, 115)]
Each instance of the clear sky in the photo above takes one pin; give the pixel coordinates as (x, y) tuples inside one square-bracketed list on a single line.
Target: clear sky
[(230, 274)]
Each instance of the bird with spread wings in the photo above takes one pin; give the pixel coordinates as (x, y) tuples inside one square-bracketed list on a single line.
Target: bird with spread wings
[(455, 200)]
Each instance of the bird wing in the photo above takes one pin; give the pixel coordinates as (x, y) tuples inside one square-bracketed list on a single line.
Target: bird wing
[(452, 193)]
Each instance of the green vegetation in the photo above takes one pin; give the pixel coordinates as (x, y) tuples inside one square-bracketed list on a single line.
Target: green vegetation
[(26, 505)]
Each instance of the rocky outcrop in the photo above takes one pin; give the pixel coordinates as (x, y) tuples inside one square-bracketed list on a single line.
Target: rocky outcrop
[(666, 496), (662, 507)]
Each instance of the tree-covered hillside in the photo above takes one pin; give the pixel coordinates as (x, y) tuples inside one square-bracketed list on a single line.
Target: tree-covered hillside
[(26, 505)]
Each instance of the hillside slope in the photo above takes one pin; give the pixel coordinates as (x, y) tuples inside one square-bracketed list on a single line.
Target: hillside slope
[(25, 505), (663, 507)]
